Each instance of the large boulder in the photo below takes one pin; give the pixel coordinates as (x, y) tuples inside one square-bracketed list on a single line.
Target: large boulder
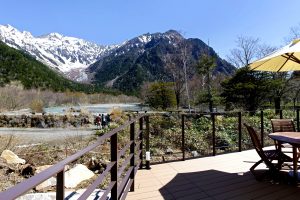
[(11, 157), (47, 183), (7, 167), (41, 168), (76, 175)]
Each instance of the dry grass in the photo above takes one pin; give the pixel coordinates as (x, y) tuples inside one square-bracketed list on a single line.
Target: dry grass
[(14, 97), (48, 154)]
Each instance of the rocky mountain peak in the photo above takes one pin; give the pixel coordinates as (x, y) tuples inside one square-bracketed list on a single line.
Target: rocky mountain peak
[(60, 52), (142, 59), (174, 33), (54, 35)]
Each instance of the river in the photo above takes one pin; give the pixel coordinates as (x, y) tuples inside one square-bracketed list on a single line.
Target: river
[(97, 108)]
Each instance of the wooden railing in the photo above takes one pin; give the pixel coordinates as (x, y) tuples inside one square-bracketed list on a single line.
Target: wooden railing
[(118, 187)]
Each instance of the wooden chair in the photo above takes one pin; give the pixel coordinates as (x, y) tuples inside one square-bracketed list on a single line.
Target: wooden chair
[(266, 156), (283, 125)]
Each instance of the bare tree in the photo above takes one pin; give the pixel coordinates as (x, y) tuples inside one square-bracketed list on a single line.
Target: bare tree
[(294, 34), (295, 87), (245, 51), (184, 59), (264, 50), (205, 66), (177, 76), (280, 81)]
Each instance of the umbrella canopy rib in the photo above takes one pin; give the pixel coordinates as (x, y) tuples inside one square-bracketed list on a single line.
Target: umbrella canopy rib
[(284, 59), (295, 59), (289, 56)]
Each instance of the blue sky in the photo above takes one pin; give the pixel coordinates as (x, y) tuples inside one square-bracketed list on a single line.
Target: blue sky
[(114, 21)]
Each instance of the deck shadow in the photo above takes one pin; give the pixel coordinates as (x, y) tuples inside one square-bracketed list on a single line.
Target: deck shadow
[(213, 184)]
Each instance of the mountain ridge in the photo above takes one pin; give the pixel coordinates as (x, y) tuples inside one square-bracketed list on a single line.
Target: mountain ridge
[(143, 59), (19, 66), (125, 67), (60, 52)]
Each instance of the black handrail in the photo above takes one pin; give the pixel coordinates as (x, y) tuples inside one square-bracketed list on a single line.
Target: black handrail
[(135, 145), (239, 115)]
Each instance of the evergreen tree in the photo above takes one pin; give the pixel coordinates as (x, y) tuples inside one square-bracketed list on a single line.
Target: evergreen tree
[(161, 95), (246, 89)]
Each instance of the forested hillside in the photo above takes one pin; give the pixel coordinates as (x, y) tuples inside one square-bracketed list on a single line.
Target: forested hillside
[(19, 66)]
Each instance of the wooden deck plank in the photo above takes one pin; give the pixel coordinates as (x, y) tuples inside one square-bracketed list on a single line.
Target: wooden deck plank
[(221, 177)]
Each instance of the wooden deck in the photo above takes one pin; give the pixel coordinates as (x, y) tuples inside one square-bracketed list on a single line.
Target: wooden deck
[(220, 177)]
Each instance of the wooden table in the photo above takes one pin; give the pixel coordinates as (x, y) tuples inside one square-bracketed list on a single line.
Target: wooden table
[(292, 138)]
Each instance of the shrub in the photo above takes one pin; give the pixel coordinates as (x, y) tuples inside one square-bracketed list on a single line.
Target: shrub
[(161, 95), (37, 105), (116, 113)]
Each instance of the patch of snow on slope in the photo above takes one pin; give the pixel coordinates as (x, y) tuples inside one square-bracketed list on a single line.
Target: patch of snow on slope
[(57, 51)]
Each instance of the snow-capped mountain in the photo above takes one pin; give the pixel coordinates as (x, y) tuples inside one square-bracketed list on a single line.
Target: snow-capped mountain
[(148, 57), (69, 55)]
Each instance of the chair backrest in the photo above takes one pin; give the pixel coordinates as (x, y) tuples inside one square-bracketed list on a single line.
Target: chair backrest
[(254, 138), (257, 145), (283, 125)]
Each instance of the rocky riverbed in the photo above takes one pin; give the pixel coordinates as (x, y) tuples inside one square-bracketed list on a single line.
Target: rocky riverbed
[(47, 121)]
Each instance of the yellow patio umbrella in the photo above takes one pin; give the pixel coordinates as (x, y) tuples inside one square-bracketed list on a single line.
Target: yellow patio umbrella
[(285, 59)]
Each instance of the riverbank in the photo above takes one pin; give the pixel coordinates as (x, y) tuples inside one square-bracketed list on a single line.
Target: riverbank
[(29, 136)]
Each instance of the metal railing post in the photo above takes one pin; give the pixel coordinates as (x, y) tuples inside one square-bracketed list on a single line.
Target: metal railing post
[(132, 127), (114, 169), (147, 140), (182, 137), (213, 133), (240, 130), (60, 191), (141, 121), (262, 127), (298, 125)]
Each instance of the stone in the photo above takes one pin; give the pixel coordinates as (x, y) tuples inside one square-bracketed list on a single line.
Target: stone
[(169, 151), (38, 196), (70, 195), (46, 184), (195, 153), (26, 170), (8, 167), (76, 175), (11, 157), (93, 164), (41, 124), (49, 182), (41, 168)]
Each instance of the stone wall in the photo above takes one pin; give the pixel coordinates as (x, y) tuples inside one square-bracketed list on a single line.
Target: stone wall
[(45, 121)]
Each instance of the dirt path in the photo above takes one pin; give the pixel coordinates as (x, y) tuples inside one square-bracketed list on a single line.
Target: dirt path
[(36, 135)]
